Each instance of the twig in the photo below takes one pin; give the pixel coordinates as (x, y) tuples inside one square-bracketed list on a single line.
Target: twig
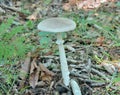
[(92, 83), (100, 74), (111, 81), (97, 67), (10, 8), (88, 67), (98, 84), (80, 66), (87, 80), (79, 75), (55, 57)]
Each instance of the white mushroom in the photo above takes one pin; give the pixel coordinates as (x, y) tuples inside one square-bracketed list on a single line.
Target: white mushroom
[(59, 25), (75, 87)]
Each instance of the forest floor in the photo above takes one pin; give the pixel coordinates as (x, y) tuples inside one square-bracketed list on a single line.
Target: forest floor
[(92, 49)]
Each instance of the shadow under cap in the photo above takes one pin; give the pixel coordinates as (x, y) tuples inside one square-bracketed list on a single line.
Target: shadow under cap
[(57, 24)]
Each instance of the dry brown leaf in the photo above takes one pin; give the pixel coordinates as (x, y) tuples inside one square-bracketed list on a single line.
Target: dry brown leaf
[(90, 4), (66, 7), (35, 15), (25, 67), (73, 2), (110, 64), (110, 68), (117, 84), (46, 75), (100, 41), (84, 4), (33, 66), (81, 4), (48, 53), (117, 65), (44, 69), (22, 15), (34, 74), (32, 17)]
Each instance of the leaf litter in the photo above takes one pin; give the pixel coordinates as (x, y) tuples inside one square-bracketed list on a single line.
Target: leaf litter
[(94, 74)]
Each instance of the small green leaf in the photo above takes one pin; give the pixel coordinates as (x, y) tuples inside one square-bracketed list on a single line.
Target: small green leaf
[(30, 24), (44, 34), (45, 41)]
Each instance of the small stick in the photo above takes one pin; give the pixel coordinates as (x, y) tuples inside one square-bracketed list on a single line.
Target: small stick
[(100, 74), (10, 8), (98, 84), (55, 57), (87, 80), (88, 67), (79, 75), (93, 83), (111, 81)]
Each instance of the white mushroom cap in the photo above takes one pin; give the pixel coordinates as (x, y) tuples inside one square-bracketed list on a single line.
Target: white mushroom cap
[(57, 24)]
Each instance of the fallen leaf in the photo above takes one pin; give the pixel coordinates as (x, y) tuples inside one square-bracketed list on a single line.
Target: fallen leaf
[(66, 7), (117, 65), (100, 41), (32, 17), (73, 2), (33, 66), (24, 71), (48, 53), (84, 4), (46, 75), (34, 74), (41, 84), (80, 5), (35, 15), (22, 15), (110, 68), (25, 67), (111, 65), (117, 84)]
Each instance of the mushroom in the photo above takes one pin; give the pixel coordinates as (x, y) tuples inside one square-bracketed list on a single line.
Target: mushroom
[(58, 25)]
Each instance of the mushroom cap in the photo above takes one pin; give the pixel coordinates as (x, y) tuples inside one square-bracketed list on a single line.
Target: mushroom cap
[(57, 24)]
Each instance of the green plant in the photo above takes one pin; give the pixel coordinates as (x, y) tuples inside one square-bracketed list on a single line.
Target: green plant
[(8, 78), (46, 40), (12, 41), (13, 47), (103, 24)]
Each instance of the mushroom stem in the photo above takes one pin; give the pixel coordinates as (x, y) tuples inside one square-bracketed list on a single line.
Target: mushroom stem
[(63, 61), (75, 87)]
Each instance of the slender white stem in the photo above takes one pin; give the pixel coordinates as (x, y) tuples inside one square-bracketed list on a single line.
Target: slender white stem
[(64, 66)]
